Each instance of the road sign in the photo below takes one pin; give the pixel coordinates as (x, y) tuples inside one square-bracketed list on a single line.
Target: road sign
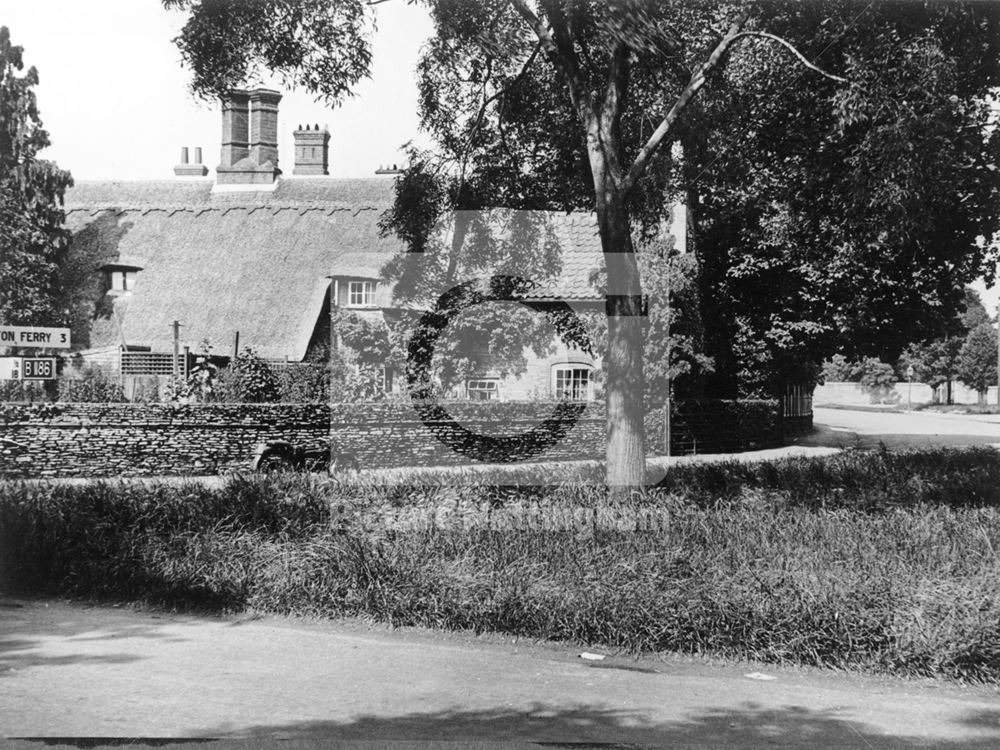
[(34, 336), (38, 368), (10, 368)]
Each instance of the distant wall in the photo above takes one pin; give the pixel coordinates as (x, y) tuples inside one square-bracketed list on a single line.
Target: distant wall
[(848, 394), (962, 394), (94, 440), (852, 394)]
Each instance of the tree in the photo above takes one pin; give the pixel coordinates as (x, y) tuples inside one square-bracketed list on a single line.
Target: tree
[(845, 218), (936, 361), (977, 359), (566, 105), (32, 239)]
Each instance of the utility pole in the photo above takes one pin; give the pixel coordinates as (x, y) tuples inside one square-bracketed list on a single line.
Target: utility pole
[(998, 354), (666, 407), (177, 340)]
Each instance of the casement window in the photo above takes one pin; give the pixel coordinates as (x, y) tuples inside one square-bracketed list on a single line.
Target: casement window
[(360, 293), (121, 280), (571, 382), (482, 389)]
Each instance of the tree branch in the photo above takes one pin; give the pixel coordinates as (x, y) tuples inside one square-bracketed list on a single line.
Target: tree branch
[(698, 79), (487, 100), (563, 63), (799, 55)]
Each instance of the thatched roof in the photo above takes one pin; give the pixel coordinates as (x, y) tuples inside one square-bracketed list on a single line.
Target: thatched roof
[(255, 262)]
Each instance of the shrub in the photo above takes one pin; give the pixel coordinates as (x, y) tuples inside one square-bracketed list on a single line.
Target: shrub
[(838, 369), (90, 384), (248, 379), (716, 426), (23, 390), (878, 378), (310, 382)]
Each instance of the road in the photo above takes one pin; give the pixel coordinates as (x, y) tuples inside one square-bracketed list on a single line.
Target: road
[(846, 428), (69, 670)]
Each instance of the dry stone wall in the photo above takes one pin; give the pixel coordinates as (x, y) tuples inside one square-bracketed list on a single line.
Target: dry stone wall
[(99, 440), (107, 440)]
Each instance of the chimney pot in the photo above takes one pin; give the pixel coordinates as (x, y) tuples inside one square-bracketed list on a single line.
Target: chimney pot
[(197, 154), (184, 169)]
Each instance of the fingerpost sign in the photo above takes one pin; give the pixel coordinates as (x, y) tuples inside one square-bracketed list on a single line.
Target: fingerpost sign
[(35, 336)]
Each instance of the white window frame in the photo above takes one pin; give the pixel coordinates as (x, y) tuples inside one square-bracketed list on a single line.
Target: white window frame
[(572, 390), (365, 293), (122, 280), (489, 386)]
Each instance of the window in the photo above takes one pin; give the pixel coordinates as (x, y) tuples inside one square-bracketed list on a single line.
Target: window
[(122, 280), (359, 293), (571, 382), (483, 389)]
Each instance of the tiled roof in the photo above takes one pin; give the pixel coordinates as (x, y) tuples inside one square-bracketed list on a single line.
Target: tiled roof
[(254, 262)]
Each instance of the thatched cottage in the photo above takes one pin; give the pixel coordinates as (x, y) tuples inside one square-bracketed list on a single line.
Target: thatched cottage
[(257, 258)]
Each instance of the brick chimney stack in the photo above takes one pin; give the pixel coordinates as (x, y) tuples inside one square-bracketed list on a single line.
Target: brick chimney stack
[(264, 126), (312, 151), (249, 138), (235, 127)]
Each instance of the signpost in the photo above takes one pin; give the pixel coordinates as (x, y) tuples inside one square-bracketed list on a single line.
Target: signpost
[(31, 337), (909, 392), (27, 368), (34, 336)]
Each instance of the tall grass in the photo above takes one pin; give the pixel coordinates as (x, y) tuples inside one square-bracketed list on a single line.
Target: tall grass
[(878, 561)]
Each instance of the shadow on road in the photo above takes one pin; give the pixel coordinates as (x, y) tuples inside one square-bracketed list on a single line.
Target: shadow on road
[(844, 439), (25, 644), (749, 726)]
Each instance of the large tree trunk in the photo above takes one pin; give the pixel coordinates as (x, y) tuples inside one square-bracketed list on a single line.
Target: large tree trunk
[(626, 455)]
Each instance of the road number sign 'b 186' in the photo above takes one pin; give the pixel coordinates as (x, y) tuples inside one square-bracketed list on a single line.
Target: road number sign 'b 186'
[(34, 336), (38, 368)]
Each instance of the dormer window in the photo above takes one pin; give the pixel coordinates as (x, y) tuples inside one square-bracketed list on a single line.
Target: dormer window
[(360, 293), (121, 279)]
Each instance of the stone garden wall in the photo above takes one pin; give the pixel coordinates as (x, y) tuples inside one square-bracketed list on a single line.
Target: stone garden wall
[(101, 440), (65, 440)]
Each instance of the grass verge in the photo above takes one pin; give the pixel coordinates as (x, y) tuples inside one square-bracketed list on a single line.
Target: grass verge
[(879, 561)]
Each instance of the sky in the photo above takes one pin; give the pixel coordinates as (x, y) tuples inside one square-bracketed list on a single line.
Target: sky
[(115, 100)]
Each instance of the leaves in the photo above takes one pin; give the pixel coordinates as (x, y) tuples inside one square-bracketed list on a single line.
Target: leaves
[(322, 45), (977, 359), (845, 218), (33, 242)]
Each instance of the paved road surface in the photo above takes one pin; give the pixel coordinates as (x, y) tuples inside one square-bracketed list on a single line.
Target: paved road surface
[(72, 671), (846, 428)]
